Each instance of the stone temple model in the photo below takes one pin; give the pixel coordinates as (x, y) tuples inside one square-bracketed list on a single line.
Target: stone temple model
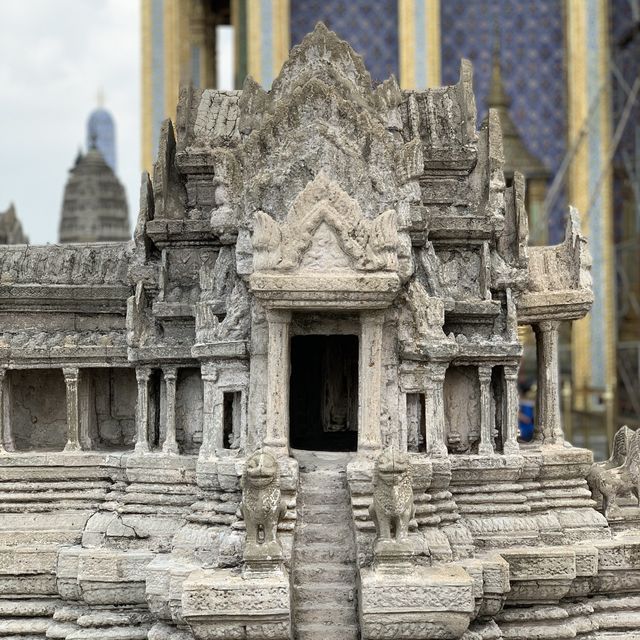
[(288, 408)]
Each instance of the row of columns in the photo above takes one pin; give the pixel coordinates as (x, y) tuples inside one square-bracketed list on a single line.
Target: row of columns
[(432, 386), (78, 438), (170, 443), (370, 381)]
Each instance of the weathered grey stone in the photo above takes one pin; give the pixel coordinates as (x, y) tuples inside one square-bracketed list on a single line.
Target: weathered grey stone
[(356, 244)]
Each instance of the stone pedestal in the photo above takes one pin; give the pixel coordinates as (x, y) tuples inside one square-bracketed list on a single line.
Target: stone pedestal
[(222, 604), (420, 603)]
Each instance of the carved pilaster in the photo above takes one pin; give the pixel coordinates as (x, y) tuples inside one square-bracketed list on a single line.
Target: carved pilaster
[(142, 410), (370, 381), (434, 409), (510, 410), (170, 444), (277, 436), (71, 376), (6, 437), (548, 423), (212, 427), (485, 447)]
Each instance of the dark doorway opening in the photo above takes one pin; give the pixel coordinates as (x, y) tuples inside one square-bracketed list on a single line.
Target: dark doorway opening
[(323, 404)]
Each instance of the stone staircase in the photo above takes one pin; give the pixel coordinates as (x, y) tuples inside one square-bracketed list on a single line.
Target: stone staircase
[(324, 559)]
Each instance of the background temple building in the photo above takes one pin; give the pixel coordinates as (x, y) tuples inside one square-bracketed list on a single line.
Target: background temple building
[(11, 228), (94, 206), (568, 70), (101, 133)]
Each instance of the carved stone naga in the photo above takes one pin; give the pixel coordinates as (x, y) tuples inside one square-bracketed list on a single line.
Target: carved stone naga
[(392, 507), (620, 474), (262, 507)]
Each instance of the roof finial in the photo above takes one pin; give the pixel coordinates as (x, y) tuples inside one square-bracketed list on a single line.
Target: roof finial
[(100, 98)]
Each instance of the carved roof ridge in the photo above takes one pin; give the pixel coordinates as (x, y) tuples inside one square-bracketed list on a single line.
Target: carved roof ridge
[(334, 56)]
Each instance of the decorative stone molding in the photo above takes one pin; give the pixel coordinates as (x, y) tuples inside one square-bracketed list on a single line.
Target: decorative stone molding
[(560, 285), (325, 252), (362, 244)]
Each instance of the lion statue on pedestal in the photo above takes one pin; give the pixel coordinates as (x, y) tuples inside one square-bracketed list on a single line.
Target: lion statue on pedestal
[(262, 506)]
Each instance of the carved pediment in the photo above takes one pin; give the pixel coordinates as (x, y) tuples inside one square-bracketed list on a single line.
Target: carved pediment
[(325, 231)]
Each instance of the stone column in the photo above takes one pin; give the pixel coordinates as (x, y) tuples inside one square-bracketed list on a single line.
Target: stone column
[(278, 366), (212, 427), (485, 448), (71, 376), (7, 425), (142, 410), (548, 418), (170, 444), (370, 381), (510, 408), (434, 409), (6, 437), (85, 392), (408, 430)]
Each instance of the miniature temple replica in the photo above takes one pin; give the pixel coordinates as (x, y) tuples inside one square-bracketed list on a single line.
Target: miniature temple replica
[(288, 409)]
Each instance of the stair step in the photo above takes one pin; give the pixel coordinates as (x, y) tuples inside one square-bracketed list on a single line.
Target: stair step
[(323, 497), (324, 556), (327, 632), (324, 516), (324, 553), (329, 613), (323, 533), (315, 573), (325, 593)]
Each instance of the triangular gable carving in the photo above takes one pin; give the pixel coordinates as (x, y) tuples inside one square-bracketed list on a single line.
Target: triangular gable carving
[(370, 245)]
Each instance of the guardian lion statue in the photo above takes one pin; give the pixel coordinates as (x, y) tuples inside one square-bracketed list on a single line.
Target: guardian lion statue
[(262, 506), (619, 474), (392, 507)]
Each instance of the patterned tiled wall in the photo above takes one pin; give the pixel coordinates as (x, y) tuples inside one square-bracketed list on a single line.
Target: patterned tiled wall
[(626, 56), (370, 26), (532, 40)]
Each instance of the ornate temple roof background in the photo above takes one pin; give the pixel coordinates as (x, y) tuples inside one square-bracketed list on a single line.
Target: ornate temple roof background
[(533, 60), (355, 22)]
